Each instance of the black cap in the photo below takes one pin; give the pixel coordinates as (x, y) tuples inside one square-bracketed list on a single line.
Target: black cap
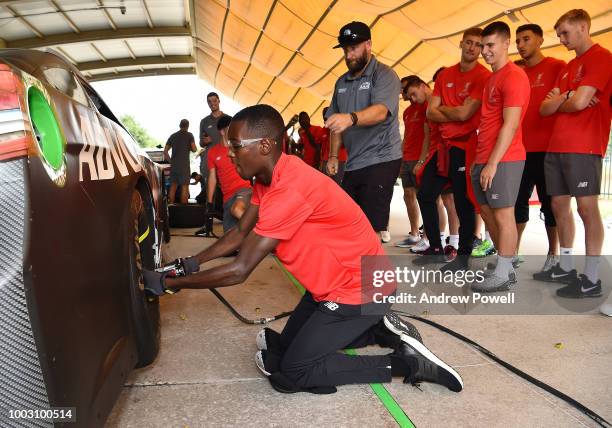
[(352, 34)]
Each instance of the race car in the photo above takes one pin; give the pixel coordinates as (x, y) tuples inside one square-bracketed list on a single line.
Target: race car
[(82, 212)]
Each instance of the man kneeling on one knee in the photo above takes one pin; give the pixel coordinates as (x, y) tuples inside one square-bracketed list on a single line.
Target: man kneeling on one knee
[(320, 234)]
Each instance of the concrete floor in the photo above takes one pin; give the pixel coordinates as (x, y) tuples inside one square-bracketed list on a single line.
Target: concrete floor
[(205, 375)]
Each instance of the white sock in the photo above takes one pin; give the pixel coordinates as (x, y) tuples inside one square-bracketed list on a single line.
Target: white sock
[(442, 239), (487, 236), (566, 260), (454, 241), (504, 267), (591, 268)]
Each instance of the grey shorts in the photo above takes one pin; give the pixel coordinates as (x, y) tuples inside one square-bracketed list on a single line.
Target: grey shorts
[(229, 220), (574, 174), (504, 188), (408, 178), (180, 177)]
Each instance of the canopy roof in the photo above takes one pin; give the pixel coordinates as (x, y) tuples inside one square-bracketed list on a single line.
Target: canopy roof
[(279, 52)]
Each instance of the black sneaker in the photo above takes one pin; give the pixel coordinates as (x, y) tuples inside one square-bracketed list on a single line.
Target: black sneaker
[(426, 367), (556, 274), (580, 287), (430, 256), (407, 331)]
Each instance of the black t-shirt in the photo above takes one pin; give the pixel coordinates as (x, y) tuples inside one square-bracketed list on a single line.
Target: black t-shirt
[(180, 143)]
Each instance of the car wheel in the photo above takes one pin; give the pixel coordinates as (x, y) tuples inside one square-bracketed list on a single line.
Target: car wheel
[(144, 307)]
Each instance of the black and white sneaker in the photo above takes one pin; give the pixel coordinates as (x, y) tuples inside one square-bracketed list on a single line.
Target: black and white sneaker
[(407, 331), (426, 367), (579, 288), (556, 274)]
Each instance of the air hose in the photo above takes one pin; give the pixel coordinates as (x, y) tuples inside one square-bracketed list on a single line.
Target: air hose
[(244, 319)]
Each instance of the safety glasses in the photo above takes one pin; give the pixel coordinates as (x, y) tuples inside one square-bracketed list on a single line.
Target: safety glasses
[(236, 145)]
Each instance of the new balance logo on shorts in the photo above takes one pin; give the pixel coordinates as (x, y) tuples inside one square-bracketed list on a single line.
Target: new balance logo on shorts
[(495, 196), (331, 306), (461, 169), (583, 184)]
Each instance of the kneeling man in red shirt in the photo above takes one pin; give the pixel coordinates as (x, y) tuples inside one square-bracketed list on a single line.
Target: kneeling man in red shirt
[(320, 234)]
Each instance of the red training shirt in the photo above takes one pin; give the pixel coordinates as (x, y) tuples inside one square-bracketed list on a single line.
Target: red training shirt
[(320, 136), (414, 131), (537, 129), (323, 233), (229, 180), (453, 86), (585, 131), (507, 87)]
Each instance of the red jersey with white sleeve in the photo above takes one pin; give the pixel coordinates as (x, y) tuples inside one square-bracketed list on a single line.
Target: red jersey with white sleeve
[(507, 87), (586, 131), (229, 180), (323, 233)]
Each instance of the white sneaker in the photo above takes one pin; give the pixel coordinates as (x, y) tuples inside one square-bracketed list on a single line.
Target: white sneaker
[(420, 246), (385, 236), (606, 309)]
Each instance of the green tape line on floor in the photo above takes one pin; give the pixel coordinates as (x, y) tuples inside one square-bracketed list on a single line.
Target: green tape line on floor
[(381, 392)]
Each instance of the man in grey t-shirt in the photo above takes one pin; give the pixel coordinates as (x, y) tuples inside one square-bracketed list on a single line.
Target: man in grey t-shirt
[(181, 143), (209, 134), (363, 115)]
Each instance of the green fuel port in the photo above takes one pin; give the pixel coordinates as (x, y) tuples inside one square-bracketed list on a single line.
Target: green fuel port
[(46, 128)]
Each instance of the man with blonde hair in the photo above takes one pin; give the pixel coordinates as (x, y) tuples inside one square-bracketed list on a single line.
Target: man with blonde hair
[(580, 100)]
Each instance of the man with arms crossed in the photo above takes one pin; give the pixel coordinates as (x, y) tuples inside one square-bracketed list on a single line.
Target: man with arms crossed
[(542, 73), (580, 100), (455, 104)]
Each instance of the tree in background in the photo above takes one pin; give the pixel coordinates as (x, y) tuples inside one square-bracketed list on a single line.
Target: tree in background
[(138, 132)]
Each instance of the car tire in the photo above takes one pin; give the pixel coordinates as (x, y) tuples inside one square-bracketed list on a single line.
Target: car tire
[(144, 308)]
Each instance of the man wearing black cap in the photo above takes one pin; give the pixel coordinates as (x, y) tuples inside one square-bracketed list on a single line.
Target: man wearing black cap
[(363, 116)]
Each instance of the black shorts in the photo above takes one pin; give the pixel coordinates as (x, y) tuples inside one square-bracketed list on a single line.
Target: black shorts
[(408, 178), (572, 174), (372, 189), (533, 176)]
